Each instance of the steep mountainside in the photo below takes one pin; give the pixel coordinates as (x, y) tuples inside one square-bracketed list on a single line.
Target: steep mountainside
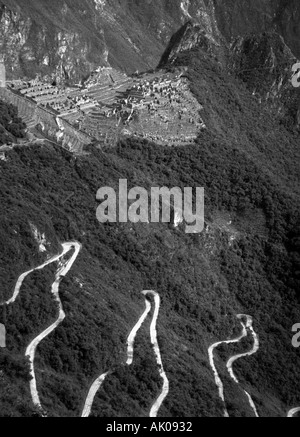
[(263, 61), (245, 262), (11, 126), (69, 38)]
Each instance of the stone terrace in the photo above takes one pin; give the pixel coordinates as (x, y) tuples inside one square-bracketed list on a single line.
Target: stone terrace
[(157, 106)]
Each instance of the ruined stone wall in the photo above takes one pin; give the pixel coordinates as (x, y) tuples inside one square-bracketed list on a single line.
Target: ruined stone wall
[(65, 134), (25, 106), (73, 139)]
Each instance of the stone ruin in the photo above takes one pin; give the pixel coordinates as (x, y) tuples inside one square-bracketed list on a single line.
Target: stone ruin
[(156, 106)]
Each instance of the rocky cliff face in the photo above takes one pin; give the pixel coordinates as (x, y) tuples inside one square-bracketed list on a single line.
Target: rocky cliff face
[(264, 62), (68, 38), (192, 36)]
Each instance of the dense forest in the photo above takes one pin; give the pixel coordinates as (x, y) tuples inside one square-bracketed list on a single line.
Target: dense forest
[(246, 261), (11, 126)]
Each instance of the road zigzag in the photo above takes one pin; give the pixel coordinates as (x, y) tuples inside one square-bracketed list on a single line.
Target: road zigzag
[(62, 271), (95, 387), (231, 361)]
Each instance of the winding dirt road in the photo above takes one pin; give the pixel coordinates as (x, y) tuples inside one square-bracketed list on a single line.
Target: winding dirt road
[(133, 333), (31, 349), (211, 349), (95, 387), (130, 353), (218, 380), (248, 325), (153, 333), (24, 275), (62, 271)]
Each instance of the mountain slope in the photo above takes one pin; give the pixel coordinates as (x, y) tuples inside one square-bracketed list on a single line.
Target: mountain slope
[(246, 261), (70, 38)]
